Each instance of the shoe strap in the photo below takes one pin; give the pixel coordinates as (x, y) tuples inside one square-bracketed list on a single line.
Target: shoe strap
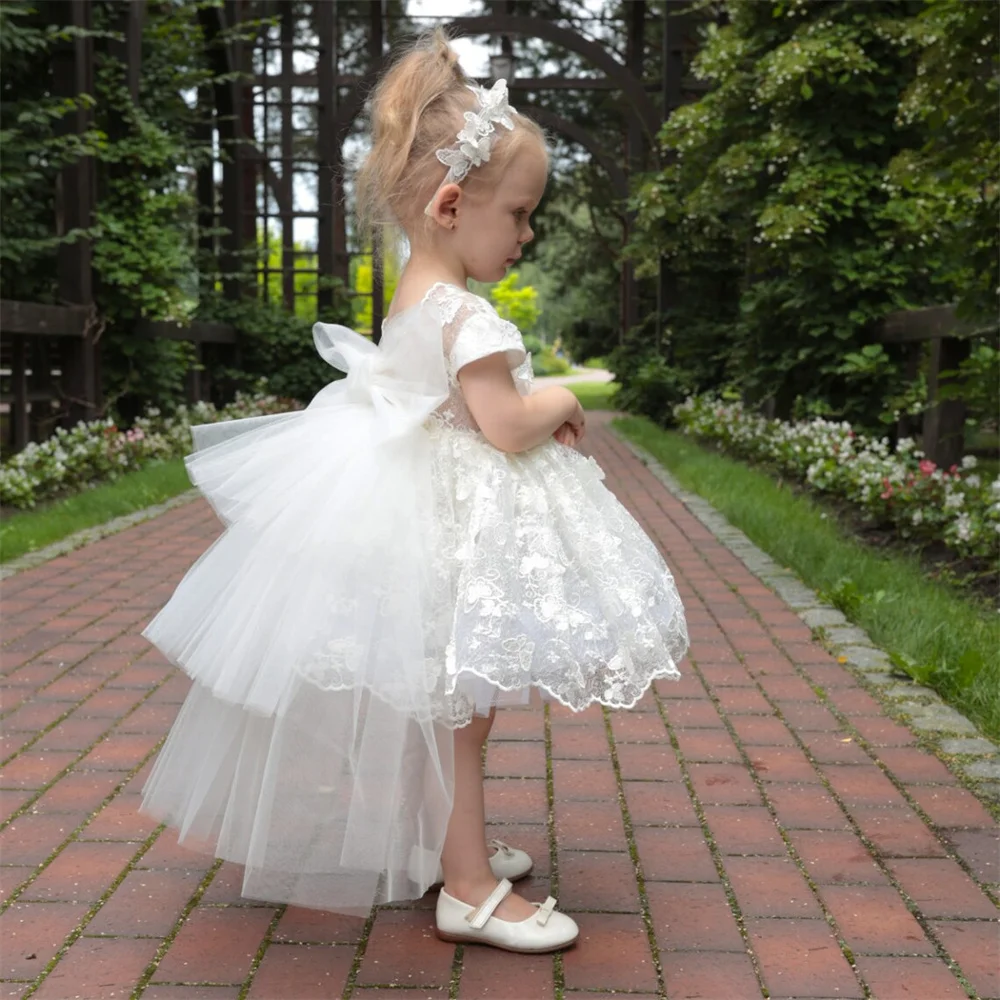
[(478, 917), (505, 849)]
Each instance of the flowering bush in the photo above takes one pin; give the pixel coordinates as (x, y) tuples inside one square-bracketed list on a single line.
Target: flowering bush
[(901, 488), (92, 452)]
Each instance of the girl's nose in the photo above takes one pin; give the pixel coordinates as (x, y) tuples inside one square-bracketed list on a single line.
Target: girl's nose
[(527, 237)]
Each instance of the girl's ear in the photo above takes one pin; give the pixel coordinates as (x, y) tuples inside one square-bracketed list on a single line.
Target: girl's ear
[(444, 206)]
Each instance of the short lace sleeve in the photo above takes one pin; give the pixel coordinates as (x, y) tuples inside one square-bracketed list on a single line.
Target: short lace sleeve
[(473, 330)]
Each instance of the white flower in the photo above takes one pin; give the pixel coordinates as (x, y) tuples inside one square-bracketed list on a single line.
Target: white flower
[(917, 516), (969, 462)]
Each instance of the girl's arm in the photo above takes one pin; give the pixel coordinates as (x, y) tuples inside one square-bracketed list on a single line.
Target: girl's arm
[(508, 420)]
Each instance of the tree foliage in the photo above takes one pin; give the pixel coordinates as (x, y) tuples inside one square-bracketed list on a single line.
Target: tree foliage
[(832, 174), (36, 146), (516, 302), (948, 189)]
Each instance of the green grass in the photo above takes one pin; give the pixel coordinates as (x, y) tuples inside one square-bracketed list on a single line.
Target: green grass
[(26, 531), (937, 628), (594, 395)]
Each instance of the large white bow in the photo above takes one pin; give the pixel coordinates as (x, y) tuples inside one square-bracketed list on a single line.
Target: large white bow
[(403, 380), (403, 377)]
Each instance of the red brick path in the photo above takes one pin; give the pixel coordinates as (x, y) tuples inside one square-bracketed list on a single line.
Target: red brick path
[(759, 829)]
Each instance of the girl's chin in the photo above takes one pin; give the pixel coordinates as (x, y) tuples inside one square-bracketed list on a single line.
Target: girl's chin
[(488, 278)]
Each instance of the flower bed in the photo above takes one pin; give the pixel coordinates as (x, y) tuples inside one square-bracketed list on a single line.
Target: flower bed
[(98, 451), (900, 488)]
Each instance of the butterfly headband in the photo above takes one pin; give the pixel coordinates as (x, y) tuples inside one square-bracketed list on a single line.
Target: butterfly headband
[(478, 137)]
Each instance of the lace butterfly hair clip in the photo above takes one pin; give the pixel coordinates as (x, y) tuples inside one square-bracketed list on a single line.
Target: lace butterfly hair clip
[(478, 136)]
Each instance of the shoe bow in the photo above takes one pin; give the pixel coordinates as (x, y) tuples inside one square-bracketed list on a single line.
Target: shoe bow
[(545, 910)]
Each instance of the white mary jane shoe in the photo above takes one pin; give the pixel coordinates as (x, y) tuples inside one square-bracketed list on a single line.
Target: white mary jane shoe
[(509, 862), (506, 863), (547, 930)]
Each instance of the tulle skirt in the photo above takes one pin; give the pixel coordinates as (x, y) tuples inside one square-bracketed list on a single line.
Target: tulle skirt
[(371, 592)]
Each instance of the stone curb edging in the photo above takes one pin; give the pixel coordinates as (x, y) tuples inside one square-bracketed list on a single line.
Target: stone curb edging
[(965, 751), (87, 535)]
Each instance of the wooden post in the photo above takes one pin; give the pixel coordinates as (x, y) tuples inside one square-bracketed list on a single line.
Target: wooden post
[(48, 354), (205, 134), (227, 106), (378, 292), (242, 53), (19, 404), (635, 50), (905, 425), (192, 381), (674, 33), (286, 197), (133, 46), (72, 74), (330, 167), (944, 419)]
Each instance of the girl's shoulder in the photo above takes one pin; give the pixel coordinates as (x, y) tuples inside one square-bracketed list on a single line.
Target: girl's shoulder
[(473, 329), (455, 303)]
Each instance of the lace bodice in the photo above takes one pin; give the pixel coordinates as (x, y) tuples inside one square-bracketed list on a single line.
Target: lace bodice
[(471, 329)]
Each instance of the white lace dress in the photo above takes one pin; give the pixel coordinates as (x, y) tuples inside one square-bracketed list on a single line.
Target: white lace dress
[(386, 573)]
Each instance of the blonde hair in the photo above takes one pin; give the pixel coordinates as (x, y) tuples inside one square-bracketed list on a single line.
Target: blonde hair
[(417, 108)]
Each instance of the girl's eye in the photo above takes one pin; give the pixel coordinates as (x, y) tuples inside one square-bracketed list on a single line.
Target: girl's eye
[(520, 214)]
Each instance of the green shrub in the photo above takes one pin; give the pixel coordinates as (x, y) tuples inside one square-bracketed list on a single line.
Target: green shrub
[(590, 338), (841, 165), (533, 344), (654, 389), (546, 363), (274, 344)]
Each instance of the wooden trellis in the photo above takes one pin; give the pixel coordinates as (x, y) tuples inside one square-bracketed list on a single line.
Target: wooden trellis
[(257, 110), (61, 339)]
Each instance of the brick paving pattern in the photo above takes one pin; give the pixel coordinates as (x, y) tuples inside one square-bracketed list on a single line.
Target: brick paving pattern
[(760, 828)]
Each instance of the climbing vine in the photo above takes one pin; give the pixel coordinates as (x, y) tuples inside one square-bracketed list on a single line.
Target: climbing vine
[(145, 234)]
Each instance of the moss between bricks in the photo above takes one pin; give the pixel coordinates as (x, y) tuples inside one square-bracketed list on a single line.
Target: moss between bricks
[(633, 850), (558, 973), (93, 910)]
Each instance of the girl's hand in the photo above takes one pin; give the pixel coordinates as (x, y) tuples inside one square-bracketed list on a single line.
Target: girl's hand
[(565, 435), (576, 424)]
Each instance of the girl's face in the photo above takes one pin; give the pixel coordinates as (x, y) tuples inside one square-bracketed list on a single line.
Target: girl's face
[(493, 227)]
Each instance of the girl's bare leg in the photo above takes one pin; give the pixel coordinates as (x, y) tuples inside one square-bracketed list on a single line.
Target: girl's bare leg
[(465, 861)]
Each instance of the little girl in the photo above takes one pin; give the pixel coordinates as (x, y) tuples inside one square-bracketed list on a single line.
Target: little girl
[(420, 545)]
